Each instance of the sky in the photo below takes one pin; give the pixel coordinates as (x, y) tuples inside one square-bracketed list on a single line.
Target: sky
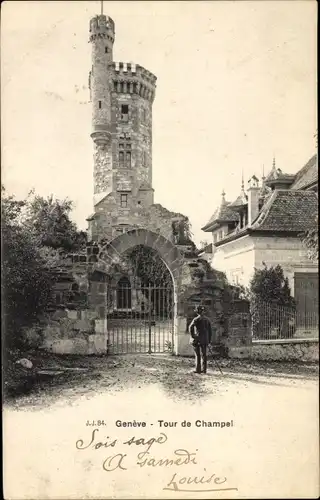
[(236, 86)]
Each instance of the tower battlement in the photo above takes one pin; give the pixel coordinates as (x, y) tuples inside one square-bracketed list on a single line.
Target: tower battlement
[(130, 78), (102, 27), (132, 69)]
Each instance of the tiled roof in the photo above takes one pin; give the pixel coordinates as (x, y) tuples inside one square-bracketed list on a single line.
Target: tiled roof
[(288, 210), (241, 200), (307, 175), (222, 214)]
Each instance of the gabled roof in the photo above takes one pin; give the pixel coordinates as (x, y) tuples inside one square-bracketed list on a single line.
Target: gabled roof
[(241, 200), (287, 210), (222, 214), (308, 174)]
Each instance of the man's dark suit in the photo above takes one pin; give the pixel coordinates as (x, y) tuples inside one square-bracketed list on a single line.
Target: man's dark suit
[(201, 332)]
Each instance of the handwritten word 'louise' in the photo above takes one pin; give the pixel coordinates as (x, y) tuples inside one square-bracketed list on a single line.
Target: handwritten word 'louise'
[(187, 483)]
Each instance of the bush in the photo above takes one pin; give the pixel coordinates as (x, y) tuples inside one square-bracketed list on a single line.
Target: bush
[(270, 299)]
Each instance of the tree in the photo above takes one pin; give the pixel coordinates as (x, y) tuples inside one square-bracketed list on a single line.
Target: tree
[(311, 240), (181, 231), (270, 285), (26, 280), (270, 299), (48, 220)]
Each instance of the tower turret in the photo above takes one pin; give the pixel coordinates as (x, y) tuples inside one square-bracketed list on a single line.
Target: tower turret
[(102, 34), (122, 95)]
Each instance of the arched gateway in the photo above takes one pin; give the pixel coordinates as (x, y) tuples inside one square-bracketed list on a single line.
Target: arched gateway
[(135, 315)]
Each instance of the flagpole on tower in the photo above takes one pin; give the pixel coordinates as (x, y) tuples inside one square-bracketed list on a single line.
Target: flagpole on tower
[(101, 7)]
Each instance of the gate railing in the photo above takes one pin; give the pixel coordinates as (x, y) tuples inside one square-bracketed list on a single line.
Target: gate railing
[(274, 322), (139, 319)]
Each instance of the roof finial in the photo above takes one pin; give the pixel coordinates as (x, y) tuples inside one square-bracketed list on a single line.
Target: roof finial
[(274, 163), (263, 176), (223, 195), (242, 181)]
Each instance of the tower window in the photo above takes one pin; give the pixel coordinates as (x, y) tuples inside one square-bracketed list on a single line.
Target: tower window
[(128, 159), (125, 155), (100, 104), (124, 112), (143, 115), (123, 200), (106, 50), (121, 159)]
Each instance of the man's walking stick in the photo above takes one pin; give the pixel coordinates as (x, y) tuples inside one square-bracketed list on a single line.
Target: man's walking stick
[(214, 359)]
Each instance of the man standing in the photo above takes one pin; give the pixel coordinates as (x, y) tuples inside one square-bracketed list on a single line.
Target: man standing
[(201, 333)]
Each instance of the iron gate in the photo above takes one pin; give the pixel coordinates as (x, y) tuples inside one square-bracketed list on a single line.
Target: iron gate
[(139, 319)]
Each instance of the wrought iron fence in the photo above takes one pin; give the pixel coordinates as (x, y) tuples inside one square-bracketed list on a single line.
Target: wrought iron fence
[(274, 322), (139, 319)]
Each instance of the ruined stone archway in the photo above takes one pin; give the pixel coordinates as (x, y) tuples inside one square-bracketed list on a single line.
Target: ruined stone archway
[(110, 253), (105, 256)]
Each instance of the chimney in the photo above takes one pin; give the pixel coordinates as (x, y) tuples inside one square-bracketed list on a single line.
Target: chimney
[(253, 199)]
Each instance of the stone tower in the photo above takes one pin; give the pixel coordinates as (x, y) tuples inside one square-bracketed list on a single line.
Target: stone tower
[(122, 95)]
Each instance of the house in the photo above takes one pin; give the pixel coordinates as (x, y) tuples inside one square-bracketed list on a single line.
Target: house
[(264, 225)]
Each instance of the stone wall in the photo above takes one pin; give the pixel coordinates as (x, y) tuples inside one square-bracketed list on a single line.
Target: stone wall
[(306, 351), (110, 220), (70, 332), (238, 337)]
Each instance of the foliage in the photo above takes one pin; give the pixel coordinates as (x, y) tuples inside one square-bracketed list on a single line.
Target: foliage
[(48, 220), (269, 287), (311, 240), (181, 231), (26, 280), (149, 267)]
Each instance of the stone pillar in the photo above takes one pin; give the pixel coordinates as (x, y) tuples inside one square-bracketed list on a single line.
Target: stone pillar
[(238, 339)]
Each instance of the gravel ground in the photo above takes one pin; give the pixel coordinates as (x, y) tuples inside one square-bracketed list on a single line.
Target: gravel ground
[(269, 450)]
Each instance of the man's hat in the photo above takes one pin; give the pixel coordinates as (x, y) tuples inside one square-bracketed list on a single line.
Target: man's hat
[(199, 309)]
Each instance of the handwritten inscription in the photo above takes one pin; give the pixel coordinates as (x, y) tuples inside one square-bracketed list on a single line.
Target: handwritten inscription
[(177, 481), (146, 458)]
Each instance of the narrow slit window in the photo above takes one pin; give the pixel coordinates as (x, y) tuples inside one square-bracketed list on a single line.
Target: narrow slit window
[(106, 50), (100, 104), (144, 158)]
